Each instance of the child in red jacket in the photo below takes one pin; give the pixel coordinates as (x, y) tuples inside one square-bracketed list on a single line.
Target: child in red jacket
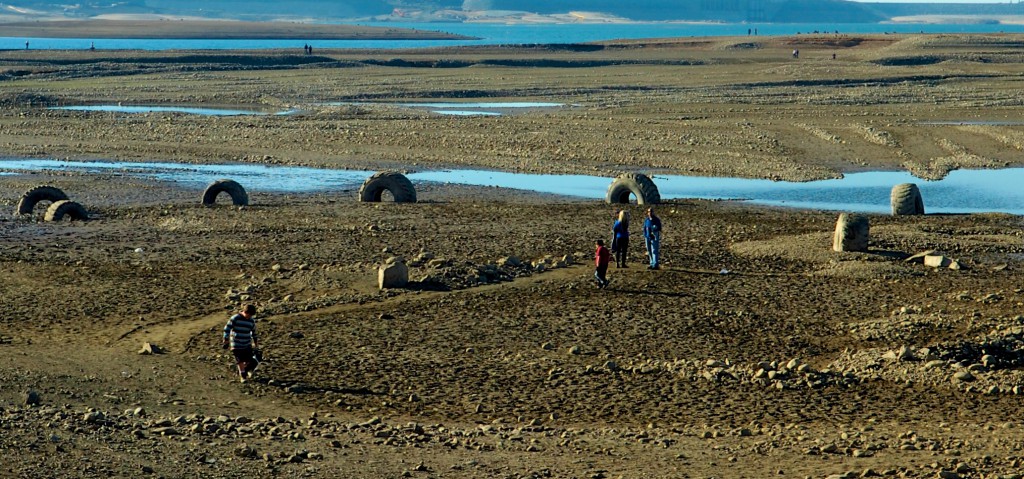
[(601, 259)]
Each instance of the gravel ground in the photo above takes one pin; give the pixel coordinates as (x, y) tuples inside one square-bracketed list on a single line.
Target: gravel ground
[(755, 351)]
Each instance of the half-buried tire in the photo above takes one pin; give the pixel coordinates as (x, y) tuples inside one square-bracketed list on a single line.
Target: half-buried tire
[(65, 208), (906, 200), (28, 201), (635, 184), (852, 233), (238, 195), (397, 184)]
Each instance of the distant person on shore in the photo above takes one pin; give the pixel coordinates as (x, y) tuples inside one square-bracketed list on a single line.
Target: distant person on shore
[(240, 337), (601, 259), (92, 46), (620, 238), (26, 45), (796, 53), (652, 237)]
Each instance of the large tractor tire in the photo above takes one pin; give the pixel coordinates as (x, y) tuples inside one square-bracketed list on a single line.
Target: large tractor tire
[(392, 181), (906, 200), (59, 209), (852, 233), (28, 201), (638, 185), (238, 195)]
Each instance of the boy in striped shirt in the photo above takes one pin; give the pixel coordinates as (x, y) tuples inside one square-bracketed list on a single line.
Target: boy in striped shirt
[(240, 336)]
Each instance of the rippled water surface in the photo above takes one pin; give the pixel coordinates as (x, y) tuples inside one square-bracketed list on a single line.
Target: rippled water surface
[(963, 191)]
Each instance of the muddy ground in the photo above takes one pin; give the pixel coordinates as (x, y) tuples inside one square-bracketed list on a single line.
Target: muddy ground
[(755, 351)]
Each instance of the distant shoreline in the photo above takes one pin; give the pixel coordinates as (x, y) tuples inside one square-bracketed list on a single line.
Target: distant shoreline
[(213, 29)]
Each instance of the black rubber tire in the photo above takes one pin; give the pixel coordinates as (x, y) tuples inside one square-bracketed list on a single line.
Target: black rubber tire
[(28, 201), (906, 200), (238, 195), (638, 185), (852, 233), (400, 187), (59, 209)]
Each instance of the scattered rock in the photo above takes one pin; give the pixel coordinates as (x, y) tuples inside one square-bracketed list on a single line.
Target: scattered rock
[(394, 274), (963, 376), (31, 398), (149, 348), (919, 257), (245, 451), (510, 261)]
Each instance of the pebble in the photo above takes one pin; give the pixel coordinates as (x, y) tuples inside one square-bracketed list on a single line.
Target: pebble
[(963, 376)]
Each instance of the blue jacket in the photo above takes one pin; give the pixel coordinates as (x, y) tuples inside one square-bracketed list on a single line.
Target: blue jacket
[(652, 225), (621, 229)]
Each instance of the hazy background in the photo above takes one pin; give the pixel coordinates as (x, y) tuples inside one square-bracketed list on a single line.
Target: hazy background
[(511, 11)]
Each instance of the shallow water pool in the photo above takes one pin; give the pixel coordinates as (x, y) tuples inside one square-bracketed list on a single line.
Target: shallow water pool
[(466, 113), (175, 109), (489, 108), (962, 191)]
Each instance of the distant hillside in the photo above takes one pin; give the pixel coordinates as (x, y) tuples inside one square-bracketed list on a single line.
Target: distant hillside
[(761, 11), (769, 11), (316, 9), (219, 9), (910, 9)]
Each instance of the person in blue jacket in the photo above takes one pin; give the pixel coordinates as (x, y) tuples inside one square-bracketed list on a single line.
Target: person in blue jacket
[(652, 237), (620, 238)]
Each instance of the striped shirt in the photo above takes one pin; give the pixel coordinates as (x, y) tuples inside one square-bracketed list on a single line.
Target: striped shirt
[(241, 331)]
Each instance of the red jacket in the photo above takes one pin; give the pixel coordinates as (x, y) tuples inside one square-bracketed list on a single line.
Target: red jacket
[(602, 257)]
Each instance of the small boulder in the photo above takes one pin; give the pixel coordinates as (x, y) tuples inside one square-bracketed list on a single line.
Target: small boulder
[(149, 348), (245, 451), (93, 417), (393, 275), (937, 261), (31, 398), (510, 261), (963, 376), (919, 257)]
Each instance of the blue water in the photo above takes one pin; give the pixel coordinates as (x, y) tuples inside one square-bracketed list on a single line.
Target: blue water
[(962, 191), (466, 113), (500, 34), (479, 105), (442, 108), (177, 109), (461, 108)]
